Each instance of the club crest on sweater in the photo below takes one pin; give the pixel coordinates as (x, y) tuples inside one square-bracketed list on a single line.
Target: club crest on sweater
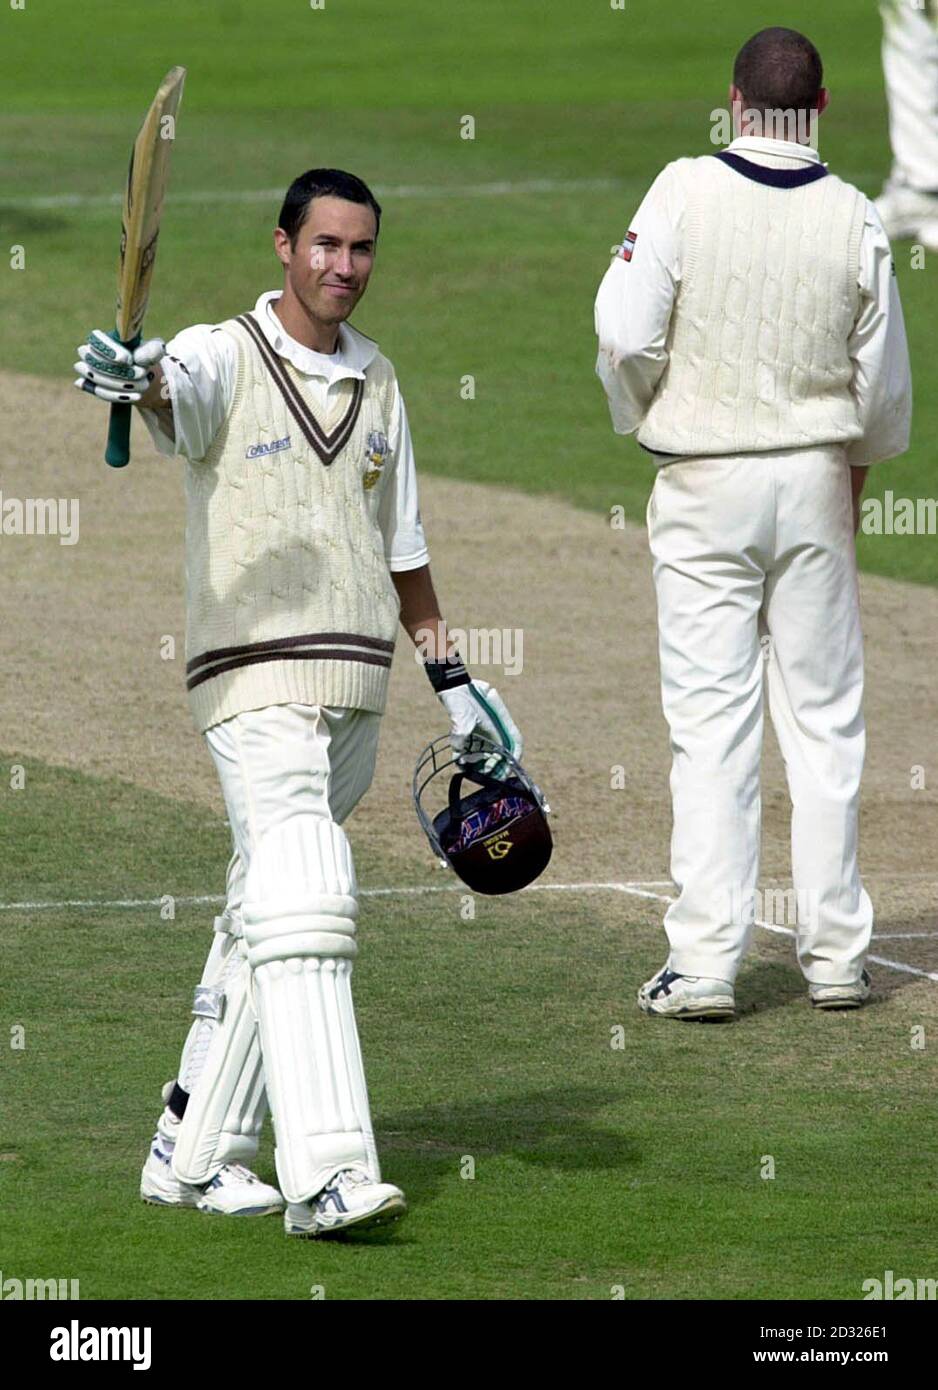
[(377, 453)]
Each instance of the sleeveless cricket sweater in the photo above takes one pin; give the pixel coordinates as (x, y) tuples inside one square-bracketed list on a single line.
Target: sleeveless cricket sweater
[(758, 339), (289, 596)]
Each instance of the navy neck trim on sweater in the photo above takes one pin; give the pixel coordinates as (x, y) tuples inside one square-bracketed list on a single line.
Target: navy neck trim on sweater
[(775, 178)]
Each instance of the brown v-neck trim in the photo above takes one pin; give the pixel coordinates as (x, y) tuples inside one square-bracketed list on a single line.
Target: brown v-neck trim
[(326, 445)]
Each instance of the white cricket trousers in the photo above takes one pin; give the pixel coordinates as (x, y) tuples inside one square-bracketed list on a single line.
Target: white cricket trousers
[(910, 69), (747, 547), (288, 760), (274, 763)]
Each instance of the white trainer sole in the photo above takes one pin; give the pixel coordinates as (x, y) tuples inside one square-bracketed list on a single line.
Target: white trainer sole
[(836, 997), (717, 1007), (389, 1210), (843, 1001), (191, 1198), (159, 1196)]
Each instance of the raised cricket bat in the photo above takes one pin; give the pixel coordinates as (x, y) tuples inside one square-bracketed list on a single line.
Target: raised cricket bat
[(140, 226)]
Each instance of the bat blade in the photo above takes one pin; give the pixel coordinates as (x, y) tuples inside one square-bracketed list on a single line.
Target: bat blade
[(147, 178)]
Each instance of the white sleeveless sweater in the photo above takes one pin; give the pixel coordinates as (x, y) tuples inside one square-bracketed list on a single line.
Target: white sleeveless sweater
[(758, 341), (289, 596)]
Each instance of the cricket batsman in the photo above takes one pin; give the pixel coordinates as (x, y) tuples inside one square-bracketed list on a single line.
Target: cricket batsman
[(304, 548), (751, 336)]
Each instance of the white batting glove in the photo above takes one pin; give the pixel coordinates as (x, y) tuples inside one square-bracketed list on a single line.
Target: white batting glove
[(114, 373), (477, 708)]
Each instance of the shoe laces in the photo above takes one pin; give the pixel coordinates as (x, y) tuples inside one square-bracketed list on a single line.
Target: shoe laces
[(352, 1177), (238, 1171)]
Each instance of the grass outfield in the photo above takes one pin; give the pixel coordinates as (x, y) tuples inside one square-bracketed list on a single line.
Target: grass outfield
[(588, 100), (596, 1168)]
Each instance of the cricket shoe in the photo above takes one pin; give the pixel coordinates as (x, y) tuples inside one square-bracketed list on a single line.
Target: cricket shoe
[(233, 1191), (686, 996), (841, 996), (350, 1199), (907, 214)]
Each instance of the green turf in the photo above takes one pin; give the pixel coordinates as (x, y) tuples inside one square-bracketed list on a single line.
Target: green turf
[(500, 288), (597, 1168)]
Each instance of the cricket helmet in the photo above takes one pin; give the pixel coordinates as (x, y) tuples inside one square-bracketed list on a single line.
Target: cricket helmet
[(496, 838)]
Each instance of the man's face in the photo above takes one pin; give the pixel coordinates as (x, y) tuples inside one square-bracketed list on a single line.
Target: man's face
[(329, 266)]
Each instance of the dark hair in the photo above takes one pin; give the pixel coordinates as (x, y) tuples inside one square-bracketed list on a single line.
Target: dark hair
[(323, 183), (779, 70)]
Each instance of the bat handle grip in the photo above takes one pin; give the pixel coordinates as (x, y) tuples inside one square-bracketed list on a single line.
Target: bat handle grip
[(117, 453)]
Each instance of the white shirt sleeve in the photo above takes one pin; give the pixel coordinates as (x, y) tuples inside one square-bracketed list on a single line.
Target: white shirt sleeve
[(635, 301), (200, 368), (405, 545), (882, 381)]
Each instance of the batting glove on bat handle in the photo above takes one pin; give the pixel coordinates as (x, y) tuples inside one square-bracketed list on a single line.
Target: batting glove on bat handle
[(120, 374)]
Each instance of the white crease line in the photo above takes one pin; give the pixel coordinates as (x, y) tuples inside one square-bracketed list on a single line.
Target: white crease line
[(789, 931), (904, 935), (417, 890), (906, 969), (496, 189), (422, 890), (109, 902)]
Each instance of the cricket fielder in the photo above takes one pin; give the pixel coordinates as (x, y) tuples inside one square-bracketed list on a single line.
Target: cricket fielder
[(304, 548), (750, 332), (908, 204)]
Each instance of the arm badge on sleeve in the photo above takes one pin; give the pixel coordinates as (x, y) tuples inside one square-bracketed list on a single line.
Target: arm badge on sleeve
[(626, 246)]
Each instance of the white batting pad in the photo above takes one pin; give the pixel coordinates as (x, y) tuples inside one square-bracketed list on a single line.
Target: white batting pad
[(299, 928), (222, 1065)]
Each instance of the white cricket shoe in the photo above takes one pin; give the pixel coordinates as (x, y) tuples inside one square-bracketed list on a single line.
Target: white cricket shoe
[(350, 1199), (841, 996), (686, 996), (233, 1191), (908, 214)]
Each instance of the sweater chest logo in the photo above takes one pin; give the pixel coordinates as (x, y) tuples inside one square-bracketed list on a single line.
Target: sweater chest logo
[(256, 451), (377, 453)]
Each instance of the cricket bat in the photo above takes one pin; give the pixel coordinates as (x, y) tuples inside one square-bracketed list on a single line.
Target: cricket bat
[(140, 227)]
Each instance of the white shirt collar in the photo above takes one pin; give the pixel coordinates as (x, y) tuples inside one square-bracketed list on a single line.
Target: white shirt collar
[(353, 354), (762, 144)]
